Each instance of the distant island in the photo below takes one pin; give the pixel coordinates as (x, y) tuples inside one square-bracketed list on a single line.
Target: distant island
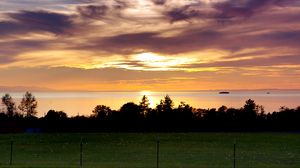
[(224, 92)]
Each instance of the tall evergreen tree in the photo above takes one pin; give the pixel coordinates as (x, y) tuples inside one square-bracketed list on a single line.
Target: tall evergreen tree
[(144, 105), (167, 104)]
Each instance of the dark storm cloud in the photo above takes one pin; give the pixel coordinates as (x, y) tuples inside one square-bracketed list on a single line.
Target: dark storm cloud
[(269, 40), (36, 21), (43, 20), (119, 4), (104, 9), (126, 43), (244, 9), (227, 10), (235, 8), (8, 27), (283, 37), (159, 2), (185, 13), (92, 11), (130, 43), (77, 1), (194, 40)]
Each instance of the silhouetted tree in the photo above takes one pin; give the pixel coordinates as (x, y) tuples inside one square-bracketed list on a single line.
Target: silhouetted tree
[(199, 113), (10, 105), (211, 115), (233, 113), (28, 105), (298, 109), (102, 112), (165, 105), (185, 111), (130, 113), (168, 104), (56, 121), (284, 109), (144, 105), (222, 109), (260, 110), (222, 114), (250, 110), (159, 107), (250, 105), (130, 117), (53, 115), (166, 119)]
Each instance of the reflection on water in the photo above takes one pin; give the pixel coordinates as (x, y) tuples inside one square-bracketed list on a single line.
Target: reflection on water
[(82, 103)]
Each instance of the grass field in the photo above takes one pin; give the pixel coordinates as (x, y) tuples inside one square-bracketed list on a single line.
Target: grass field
[(138, 150)]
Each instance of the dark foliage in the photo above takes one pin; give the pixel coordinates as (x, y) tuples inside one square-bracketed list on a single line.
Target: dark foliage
[(164, 117), (10, 105)]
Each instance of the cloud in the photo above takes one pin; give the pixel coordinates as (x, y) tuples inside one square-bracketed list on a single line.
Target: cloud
[(224, 10), (121, 4), (10, 50), (185, 13), (68, 77), (285, 38), (271, 40), (104, 10), (150, 41), (233, 8), (93, 34), (159, 2), (62, 78), (92, 11), (35, 21), (4, 59), (8, 27), (193, 40), (24, 88), (56, 5), (254, 62)]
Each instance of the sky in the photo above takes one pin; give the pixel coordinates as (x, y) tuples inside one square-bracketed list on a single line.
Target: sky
[(156, 45)]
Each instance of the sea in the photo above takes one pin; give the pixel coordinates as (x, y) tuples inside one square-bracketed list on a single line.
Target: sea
[(83, 103)]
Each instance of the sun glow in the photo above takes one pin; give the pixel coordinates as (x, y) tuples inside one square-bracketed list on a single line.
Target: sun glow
[(149, 94), (146, 93), (153, 61), (149, 57)]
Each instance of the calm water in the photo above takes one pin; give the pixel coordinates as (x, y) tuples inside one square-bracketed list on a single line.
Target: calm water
[(82, 103)]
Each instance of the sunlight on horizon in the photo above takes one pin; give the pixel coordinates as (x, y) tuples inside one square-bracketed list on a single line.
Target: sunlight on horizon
[(146, 92), (152, 100)]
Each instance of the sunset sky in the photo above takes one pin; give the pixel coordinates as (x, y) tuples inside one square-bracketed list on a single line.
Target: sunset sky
[(158, 45)]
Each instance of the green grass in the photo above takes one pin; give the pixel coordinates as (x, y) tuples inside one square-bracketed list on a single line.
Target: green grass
[(138, 150)]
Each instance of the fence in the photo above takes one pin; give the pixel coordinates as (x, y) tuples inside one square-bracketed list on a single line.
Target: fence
[(176, 150)]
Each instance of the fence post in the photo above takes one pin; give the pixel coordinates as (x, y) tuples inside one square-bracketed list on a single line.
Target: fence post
[(234, 151), (11, 152), (81, 152), (157, 154)]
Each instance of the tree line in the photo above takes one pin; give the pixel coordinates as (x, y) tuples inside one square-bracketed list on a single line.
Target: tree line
[(141, 117)]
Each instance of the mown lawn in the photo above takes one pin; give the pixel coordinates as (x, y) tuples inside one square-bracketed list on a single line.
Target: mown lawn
[(138, 150)]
